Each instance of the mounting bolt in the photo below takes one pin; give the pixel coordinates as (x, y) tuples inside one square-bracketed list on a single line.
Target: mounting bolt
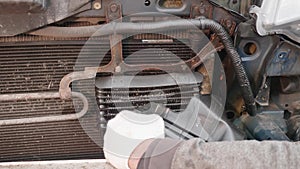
[(118, 69), (97, 5), (228, 23), (282, 55), (113, 8)]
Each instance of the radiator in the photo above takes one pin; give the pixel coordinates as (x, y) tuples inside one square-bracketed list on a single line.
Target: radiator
[(37, 64)]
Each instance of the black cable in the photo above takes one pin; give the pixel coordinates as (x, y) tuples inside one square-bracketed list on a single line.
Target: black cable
[(242, 77)]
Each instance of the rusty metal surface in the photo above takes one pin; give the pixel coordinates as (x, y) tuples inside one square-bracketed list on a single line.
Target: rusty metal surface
[(202, 9), (114, 13)]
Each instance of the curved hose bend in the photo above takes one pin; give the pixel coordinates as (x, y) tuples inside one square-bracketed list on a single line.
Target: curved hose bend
[(236, 60)]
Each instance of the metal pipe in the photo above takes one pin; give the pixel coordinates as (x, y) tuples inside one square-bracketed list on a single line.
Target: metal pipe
[(26, 96), (202, 23), (64, 86)]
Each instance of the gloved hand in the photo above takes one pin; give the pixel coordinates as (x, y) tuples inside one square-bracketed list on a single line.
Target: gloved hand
[(126, 131)]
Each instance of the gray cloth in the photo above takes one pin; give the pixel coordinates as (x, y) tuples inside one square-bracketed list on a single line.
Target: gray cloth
[(237, 155), (159, 154)]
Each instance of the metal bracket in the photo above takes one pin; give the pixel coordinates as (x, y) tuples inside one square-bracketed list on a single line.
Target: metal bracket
[(114, 13), (263, 95), (229, 24), (202, 9)]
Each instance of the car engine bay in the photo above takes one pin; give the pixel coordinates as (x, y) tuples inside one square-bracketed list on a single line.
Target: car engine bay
[(68, 67)]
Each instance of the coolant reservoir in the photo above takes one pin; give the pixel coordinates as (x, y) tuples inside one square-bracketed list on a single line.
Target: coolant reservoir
[(278, 17)]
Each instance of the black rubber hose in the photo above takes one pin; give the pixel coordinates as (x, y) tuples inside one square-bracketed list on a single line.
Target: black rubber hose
[(236, 61), (128, 27)]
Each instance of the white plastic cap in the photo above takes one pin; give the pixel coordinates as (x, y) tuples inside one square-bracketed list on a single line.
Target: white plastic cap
[(126, 131)]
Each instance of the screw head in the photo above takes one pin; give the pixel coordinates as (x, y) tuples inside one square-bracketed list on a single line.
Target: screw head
[(282, 55), (147, 3), (97, 5)]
